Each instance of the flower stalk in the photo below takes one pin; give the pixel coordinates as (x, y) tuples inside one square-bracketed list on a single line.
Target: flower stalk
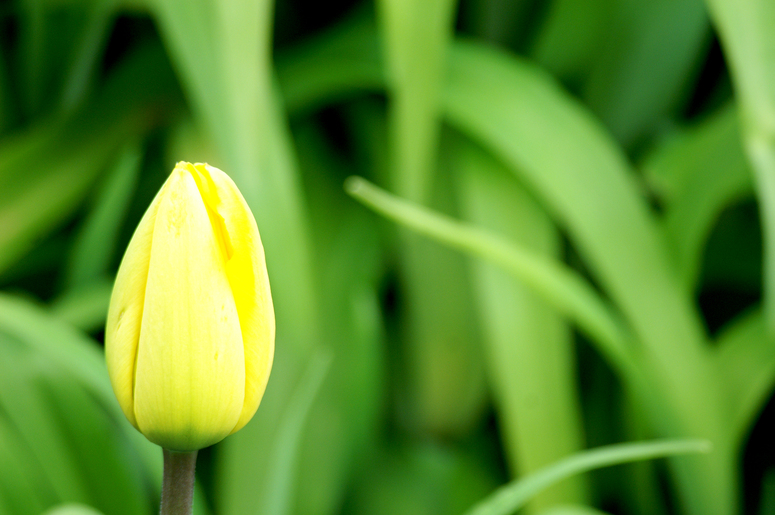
[(177, 489)]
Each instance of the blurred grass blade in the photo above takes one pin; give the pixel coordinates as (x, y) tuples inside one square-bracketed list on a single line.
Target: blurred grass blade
[(561, 154), (343, 60), (530, 348), (95, 243), (698, 174), (643, 63), (85, 308), (348, 255), (72, 351), (44, 184), (75, 355), (283, 461), (564, 157), (445, 391), (445, 379), (113, 482), (27, 491), (745, 30), (745, 355), (59, 51), (86, 54), (573, 510), (24, 401), (561, 287), (570, 36), (46, 171), (72, 509), (416, 37), (513, 496)]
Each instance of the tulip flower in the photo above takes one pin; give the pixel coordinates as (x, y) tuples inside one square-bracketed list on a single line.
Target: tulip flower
[(189, 340)]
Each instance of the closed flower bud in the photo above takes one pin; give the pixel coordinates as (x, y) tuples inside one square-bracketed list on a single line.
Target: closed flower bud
[(189, 340)]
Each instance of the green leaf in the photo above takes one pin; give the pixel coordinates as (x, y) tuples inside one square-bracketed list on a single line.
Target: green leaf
[(530, 348), (85, 308), (114, 481), (95, 242), (416, 37), (72, 509), (341, 61), (513, 496), (59, 51), (560, 286), (27, 490), (573, 510), (745, 355), (445, 383), (344, 419), (570, 36), (744, 28), (647, 53), (279, 488), (76, 356), (22, 397), (698, 173), (582, 178), (47, 170)]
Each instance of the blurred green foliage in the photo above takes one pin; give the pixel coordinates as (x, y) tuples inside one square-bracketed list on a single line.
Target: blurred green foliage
[(585, 252)]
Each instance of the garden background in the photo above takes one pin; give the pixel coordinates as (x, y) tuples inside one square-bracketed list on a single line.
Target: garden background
[(572, 245)]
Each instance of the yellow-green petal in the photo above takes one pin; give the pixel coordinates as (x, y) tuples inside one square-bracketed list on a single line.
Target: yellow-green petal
[(190, 373), (125, 315), (249, 282)]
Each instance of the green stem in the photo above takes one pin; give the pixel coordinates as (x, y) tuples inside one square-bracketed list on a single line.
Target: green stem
[(177, 488)]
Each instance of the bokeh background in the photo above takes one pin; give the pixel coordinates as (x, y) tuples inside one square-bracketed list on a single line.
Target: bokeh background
[(603, 271)]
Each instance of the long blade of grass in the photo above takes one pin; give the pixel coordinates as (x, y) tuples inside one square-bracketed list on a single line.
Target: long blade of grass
[(27, 491), (78, 357), (513, 496), (530, 348), (573, 510), (285, 455), (343, 60), (561, 153), (642, 41), (570, 35), (46, 171), (349, 254), (416, 37), (114, 483), (698, 174), (560, 286), (84, 308), (445, 384), (745, 29), (745, 356), (22, 398), (94, 245)]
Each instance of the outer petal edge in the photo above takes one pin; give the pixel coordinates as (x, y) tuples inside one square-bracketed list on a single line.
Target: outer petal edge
[(249, 281)]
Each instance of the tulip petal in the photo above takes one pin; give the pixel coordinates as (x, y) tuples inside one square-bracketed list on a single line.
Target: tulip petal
[(246, 270), (125, 316), (190, 372)]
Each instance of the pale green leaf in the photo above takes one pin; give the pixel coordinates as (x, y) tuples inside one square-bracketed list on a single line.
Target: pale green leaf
[(529, 346), (513, 496)]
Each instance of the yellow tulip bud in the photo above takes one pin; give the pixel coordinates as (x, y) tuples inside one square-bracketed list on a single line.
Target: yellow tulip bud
[(189, 339)]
